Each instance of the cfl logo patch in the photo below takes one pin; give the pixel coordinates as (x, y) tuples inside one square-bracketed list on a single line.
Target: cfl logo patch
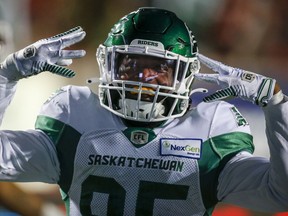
[(139, 137), (248, 77)]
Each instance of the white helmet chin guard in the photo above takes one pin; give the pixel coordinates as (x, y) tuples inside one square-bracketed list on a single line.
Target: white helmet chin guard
[(147, 67)]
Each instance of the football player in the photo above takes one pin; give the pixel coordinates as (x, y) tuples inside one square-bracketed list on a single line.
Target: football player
[(139, 147)]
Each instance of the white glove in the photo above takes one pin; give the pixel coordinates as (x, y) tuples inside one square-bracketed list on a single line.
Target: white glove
[(44, 55), (237, 83)]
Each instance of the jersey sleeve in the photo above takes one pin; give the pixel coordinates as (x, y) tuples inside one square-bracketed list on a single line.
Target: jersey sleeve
[(66, 106), (259, 183), (76, 107), (25, 155), (64, 117), (228, 134), (227, 119)]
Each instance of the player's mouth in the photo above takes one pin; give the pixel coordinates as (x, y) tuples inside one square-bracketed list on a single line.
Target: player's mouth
[(145, 91), (147, 94)]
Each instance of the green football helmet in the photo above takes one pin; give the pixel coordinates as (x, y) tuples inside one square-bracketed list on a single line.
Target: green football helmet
[(147, 66)]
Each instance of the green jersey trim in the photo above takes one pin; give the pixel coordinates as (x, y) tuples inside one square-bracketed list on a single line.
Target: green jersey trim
[(66, 140), (217, 151), (66, 201)]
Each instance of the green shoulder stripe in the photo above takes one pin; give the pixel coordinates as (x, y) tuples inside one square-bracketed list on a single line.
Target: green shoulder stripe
[(216, 152), (52, 127), (66, 140)]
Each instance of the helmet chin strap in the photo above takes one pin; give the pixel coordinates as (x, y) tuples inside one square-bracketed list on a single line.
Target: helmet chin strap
[(145, 110)]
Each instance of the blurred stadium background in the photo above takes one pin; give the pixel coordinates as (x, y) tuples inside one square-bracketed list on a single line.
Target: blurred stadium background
[(246, 34)]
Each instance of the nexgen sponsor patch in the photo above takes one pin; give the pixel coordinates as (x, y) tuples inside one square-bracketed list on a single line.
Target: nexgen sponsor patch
[(189, 148)]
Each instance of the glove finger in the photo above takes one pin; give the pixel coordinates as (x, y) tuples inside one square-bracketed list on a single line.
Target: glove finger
[(72, 54), (265, 91), (64, 62), (62, 71), (221, 95), (70, 31), (68, 40), (216, 66), (212, 78)]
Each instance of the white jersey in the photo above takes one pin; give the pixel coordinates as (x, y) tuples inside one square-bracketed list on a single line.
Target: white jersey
[(104, 167)]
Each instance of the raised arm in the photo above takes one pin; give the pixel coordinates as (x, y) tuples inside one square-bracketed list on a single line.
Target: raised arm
[(30, 155), (44, 55), (254, 182)]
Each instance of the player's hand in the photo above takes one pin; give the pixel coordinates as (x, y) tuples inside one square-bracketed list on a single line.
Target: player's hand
[(44, 55), (236, 82)]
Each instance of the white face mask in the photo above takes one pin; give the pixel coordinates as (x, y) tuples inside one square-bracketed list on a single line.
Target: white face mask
[(143, 83)]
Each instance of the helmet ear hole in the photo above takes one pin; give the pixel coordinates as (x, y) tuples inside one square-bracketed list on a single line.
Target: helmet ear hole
[(194, 66)]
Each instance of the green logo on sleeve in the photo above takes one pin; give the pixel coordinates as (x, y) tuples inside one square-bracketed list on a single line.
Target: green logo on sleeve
[(240, 120)]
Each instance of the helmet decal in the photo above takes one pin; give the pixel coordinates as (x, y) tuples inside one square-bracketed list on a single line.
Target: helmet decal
[(156, 44)]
